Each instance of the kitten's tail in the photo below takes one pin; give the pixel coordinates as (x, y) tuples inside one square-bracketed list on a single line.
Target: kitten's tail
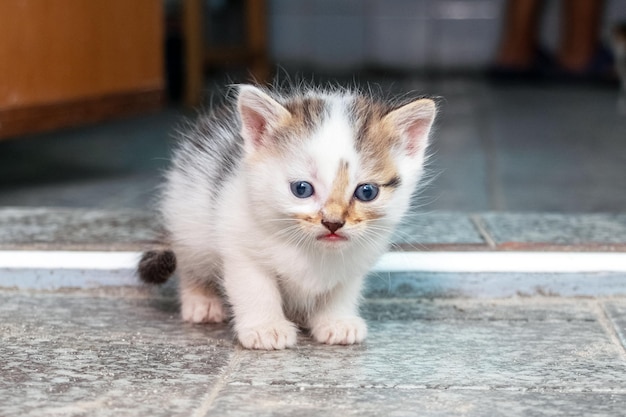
[(156, 266)]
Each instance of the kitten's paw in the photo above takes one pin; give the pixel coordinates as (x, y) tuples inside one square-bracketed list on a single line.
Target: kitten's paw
[(270, 336), (340, 331), (200, 308)]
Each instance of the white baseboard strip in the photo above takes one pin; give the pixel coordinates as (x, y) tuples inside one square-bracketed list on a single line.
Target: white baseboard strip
[(513, 262), (60, 260), (525, 262)]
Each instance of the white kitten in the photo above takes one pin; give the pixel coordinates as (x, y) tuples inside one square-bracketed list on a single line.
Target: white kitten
[(281, 204)]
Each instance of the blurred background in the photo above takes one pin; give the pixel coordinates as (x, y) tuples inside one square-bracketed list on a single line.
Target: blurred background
[(533, 114)]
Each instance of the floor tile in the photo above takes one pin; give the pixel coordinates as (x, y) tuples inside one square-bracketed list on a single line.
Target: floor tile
[(425, 284), (131, 229), (548, 355), (66, 355), (76, 376), (512, 229), (115, 164), (494, 148), (47, 279), (422, 230), (78, 229), (73, 354), (555, 149), (473, 309), (115, 191), (616, 310), (303, 402), (456, 175), (142, 320)]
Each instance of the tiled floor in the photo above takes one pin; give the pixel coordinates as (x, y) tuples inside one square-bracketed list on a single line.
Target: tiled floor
[(129, 354), (524, 148), (132, 229)]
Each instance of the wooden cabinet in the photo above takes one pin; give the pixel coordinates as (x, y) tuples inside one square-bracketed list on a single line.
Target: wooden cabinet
[(67, 62)]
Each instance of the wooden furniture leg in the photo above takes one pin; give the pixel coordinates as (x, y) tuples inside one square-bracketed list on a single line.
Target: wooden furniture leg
[(194, 52)]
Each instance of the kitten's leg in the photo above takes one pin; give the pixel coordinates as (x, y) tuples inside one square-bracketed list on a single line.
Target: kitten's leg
[(198, 271), (200, 302), (259, 320), (337, 322)]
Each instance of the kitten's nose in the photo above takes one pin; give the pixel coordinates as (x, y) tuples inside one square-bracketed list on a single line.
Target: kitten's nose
[(333, 226)]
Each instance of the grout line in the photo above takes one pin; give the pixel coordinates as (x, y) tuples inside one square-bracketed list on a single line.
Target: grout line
[(210, 398), (441, 387), (479, 224), (608, 325)]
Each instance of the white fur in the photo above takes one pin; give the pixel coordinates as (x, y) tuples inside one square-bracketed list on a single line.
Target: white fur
[(276, 275)]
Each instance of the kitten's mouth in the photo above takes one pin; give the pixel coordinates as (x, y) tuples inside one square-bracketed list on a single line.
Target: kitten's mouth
[(332, 237)]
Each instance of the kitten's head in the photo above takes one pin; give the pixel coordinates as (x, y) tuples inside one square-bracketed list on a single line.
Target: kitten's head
[(331, 169)]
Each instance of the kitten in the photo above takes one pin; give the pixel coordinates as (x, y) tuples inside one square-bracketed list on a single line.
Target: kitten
[(282, 203)]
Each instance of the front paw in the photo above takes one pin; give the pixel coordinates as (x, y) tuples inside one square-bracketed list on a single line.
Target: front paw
[(340, 331), (268, 336)]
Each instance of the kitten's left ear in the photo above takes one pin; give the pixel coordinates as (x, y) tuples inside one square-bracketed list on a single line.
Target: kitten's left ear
[(260, 114), (414, 121)]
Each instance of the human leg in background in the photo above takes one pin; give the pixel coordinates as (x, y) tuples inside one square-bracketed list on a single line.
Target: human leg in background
[(580, 35), (519, 42)]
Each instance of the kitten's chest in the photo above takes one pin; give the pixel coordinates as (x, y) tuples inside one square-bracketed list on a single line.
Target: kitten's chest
[(311, 274)]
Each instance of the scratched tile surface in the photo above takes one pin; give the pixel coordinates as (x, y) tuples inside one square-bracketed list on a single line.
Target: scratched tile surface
[(81, 353)]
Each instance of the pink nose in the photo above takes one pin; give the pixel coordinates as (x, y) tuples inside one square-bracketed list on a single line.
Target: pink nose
[(333, 226)]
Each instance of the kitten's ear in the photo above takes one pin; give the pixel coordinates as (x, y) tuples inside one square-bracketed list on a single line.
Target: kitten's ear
[(260, 114), (414, 121)]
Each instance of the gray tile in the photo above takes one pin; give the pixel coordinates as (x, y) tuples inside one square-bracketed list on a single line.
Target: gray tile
[(127, 229), (99, 150), (616, 310), (442, 228), (73, 376), (74, 355), (63, 228), (472, 309), (133, 191), (558, 149), (493, 285), (300, 402), (561, 229), (53, 279), (542, 355), (140, 320), (115, 164), (550, 149), (457, 176), (129, 354)]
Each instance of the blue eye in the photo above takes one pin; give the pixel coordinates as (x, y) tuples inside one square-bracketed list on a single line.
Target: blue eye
[(366, 192), (302, 189)]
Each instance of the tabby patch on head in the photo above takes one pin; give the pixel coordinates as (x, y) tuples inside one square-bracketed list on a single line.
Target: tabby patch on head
[(341, 156), (282, 203)]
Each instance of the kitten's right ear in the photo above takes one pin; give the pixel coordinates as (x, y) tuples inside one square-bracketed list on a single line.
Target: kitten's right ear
[(414, 121), (260, 114)]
